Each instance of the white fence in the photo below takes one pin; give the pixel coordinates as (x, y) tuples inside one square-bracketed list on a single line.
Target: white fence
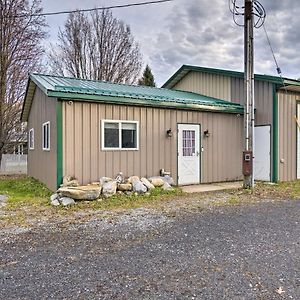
[(13, 164)]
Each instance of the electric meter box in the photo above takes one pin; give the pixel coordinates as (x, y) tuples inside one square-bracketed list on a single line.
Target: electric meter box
[(247, 163)]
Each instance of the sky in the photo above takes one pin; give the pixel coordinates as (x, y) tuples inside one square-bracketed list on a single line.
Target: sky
[(199, 32)]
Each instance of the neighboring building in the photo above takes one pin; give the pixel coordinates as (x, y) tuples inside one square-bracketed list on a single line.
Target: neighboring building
[(277, 105), (90, 129)]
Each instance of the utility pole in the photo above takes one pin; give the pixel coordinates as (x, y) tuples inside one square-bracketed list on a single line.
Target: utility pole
[(254, 17), (249, 96)]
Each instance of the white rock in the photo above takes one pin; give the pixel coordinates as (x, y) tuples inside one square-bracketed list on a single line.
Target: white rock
[(104, 180), (147, 183), (139, 187), (167, 187), (168, 179), (54, 197), (55, 202), (109, 188), (65, 201)]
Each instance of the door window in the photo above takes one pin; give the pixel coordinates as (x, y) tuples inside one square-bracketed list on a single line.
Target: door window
[(188, 142)]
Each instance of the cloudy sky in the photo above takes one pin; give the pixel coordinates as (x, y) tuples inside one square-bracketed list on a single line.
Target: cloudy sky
[(199, 32)]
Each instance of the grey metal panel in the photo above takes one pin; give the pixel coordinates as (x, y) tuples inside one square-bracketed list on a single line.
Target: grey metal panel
[(42, 164), (84, 158), (212, 85), (287, 135), (263, 99)]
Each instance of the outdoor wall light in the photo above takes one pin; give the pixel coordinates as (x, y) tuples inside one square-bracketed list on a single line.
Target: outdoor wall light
[(206, 133), (169, 133)]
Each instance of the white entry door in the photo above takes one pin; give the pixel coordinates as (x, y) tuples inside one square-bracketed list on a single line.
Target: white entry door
[(262, 153), (188, 154)]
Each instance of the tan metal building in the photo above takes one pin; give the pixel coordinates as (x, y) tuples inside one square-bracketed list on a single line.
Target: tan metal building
[(277, 106), (90, 129)]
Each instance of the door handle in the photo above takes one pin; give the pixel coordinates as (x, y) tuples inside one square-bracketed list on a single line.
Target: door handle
[(197, 153)]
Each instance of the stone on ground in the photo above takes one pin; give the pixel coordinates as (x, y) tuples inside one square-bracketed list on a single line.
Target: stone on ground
[(139, 187), (104, 180), (132, 179), (55, 202), (168, 179), (167, 187), (3, 200), (147, 183), (109, 188), (156, 181), (66, 201), (54, 197), (89, 192), (125, 187)]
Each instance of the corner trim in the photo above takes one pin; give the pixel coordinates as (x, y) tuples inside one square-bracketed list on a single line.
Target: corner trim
[(59, 146), (275, 135)]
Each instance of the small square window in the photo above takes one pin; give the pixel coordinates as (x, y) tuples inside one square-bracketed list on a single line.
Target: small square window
[(31, 139), (119, 135), (46, 136)]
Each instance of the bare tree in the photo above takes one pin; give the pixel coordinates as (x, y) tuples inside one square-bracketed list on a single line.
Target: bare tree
[(20, 50), (98, 47)]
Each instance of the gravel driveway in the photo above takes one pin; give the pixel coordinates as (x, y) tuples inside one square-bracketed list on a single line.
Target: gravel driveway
[(230, 252)]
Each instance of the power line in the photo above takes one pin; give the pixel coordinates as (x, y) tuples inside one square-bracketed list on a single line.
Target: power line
[(90, 9), (274, 57)]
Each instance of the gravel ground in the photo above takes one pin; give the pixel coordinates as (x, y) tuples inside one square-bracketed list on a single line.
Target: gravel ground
[(228, 252)]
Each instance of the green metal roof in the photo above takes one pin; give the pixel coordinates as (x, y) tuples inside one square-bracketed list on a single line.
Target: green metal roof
[(66, 88), (188, 68)]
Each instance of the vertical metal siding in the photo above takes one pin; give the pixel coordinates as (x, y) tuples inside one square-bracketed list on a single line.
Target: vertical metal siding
[(42, 164), (84, 158), (287, 135), (212, 85), (263, 98)]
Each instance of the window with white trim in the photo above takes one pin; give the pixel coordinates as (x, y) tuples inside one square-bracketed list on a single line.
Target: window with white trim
[(31, 139), (46, 136), (119, 135)]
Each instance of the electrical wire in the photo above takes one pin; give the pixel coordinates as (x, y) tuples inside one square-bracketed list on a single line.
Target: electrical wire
[(258, 11), (278, 69), (90, 9)]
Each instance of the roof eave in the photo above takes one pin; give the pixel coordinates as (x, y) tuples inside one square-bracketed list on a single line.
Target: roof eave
[(143, 102), (188, 68)]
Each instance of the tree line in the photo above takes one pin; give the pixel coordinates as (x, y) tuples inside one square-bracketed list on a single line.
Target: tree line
[(95, 46)]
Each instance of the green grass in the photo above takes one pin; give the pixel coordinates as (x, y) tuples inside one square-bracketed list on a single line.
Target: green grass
[(26, 191), (126, 202), (23, 190)]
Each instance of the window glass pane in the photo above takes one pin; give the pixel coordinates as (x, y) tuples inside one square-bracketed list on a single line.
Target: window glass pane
[(188, 142), (111, 135), (129, 135), (44, 136)]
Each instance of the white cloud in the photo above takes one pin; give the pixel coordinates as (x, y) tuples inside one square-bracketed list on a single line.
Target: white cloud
[(201, 32)]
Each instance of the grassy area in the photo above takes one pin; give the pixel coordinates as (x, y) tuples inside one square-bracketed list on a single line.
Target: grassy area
[(23, 190), (28, 200)]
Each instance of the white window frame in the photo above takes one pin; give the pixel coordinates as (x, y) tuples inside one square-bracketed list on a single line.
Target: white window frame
[(44, 124), (120, 135), (31, 131)]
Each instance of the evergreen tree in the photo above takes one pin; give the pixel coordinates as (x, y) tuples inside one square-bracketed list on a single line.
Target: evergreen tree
[(147, 78)]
